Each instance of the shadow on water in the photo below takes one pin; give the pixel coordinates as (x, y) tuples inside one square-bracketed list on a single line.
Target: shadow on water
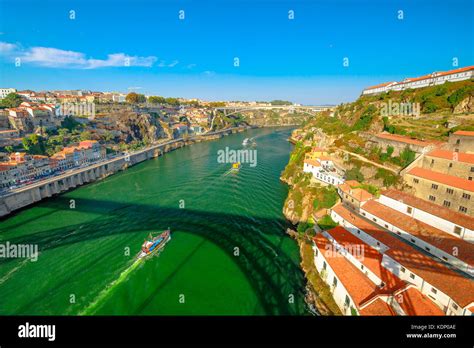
[(272, 273)]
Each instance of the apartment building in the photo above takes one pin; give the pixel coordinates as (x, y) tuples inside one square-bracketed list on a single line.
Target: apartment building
[(449, 162), (352, 195), (6, 91)]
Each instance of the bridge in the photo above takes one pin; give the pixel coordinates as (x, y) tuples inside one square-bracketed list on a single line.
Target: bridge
[(231, 110)]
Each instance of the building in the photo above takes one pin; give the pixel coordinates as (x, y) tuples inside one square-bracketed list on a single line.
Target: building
[(449, 162), (451, 291), (435, 78), (401, 142), (359, 283), (462, 141), (352, 195), (6, 91), (448, 247), (322, 169), (445, 190)]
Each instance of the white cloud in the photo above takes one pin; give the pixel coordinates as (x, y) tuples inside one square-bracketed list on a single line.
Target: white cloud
[(58, 58)]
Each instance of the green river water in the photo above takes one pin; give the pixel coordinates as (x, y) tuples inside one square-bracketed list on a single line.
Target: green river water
[(84, 267)]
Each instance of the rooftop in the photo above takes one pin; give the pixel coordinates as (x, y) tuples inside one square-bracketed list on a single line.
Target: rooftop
[(452, 155), (413, 302), (459, 288), (419, 229), (465, 133), (404, 139), (445, 179), (431, 208)]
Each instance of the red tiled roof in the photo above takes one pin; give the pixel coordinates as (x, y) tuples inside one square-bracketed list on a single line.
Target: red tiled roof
[(445, 179), (404, 139), (465, 133), (378, 307), (359, 287), (455, 71), (452, 155), (381, 85), (358, 193), (460, 289), (425, 232), (370, 258), (413, 302), (431, 208)]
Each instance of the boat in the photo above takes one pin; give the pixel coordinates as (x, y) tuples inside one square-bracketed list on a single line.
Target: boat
[(236, 166), (245, 142), (154, 243)]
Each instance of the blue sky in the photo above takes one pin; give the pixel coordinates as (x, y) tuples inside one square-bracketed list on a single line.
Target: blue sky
[(117, 45)]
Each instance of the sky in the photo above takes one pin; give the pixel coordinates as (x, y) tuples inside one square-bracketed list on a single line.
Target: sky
[(309, 52)]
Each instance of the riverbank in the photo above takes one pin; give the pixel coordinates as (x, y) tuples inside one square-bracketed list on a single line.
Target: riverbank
[(25, 196)]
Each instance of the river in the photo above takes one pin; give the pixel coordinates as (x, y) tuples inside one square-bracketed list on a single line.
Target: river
[(228, 254)]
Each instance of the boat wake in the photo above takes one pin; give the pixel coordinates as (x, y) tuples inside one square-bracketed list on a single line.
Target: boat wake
[(94, 305)]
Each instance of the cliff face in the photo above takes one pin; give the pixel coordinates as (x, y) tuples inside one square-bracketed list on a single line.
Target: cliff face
[(141, 127), (465, 106)]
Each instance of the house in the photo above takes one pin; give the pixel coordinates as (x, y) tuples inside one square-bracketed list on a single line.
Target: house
[(353, 195), (400, 142), (462, 141)]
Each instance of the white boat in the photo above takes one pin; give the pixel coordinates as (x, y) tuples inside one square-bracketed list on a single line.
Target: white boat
[(245, 142)]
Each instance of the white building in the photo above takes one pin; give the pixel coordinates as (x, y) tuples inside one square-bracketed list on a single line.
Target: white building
[(322, 169), (450, 290), (435, 78), (6, 91)]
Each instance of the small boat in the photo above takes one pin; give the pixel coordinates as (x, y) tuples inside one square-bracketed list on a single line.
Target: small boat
[(154, 243), (245, 142), (236, 166)]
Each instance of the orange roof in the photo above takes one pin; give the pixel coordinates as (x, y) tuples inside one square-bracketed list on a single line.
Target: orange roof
[(358, 193), (318, 149), (455, 71), (431, 208), (425, 232), (370, 258), (451, 155), (445, 179), (459, 288), (378, 307), (404, 139), (352, 183), (312, 162), (359, 287), (465, 133), (413, 302)]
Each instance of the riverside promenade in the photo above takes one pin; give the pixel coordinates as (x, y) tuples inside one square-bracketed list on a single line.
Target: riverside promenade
[(21, 197)]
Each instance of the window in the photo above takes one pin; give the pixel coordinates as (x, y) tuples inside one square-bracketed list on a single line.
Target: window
[(347, 301), (455, 306), (409, 210), (432, 198), (358, 231), (316, 252), (386, 226), (445, 258), (450, 165), (378, 244), (374, 219), (470, 178), (450, 191), (458, 141), (412, 240), (457, 230), (402, 269), (416, 181), (334, 282), (462, 209), (427, 249), (434, 291), (412, 276), (399, 233), (362, 267), (472, 169), (324, 265), (363, 213), (432, 161), (447, 203), (434, 186), (466, 196)]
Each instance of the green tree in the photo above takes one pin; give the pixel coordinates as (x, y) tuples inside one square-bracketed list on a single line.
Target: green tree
[(156, 100), (70, 123), (355, 174), (86, 135), (132, 98), (11, 100), (9, 148), (34, 144)]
